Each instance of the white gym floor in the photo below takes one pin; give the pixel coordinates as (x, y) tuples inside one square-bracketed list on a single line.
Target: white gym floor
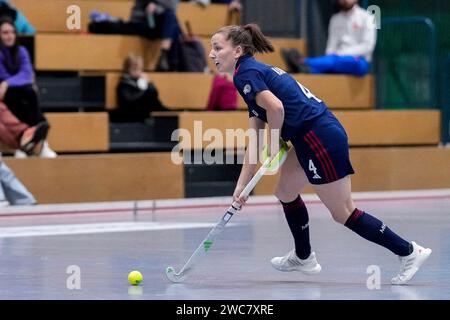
[(85, 251)]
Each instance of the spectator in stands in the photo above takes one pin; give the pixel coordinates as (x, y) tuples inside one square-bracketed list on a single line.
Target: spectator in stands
[(223, 94), (20, 21), (350, 45), (12, 191), (17, 82), (157, 19), (18, 135), (136, 96)]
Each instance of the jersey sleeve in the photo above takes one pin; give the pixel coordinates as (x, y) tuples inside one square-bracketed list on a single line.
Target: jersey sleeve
[(250, 82)]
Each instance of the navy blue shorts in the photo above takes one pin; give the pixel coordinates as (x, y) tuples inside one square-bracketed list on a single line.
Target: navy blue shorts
[(322, 150)]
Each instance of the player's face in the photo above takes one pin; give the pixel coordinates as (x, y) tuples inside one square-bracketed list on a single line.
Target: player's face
[(223, 53), (7, 35)]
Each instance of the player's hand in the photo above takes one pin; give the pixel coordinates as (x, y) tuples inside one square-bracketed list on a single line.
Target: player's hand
[(3, 89), (236, 196)]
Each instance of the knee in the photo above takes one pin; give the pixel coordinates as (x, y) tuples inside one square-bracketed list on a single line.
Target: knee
[(341, 215), (284, 194)]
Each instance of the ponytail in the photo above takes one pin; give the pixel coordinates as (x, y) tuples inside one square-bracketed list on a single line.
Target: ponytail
[(260, 42), (249, 37)]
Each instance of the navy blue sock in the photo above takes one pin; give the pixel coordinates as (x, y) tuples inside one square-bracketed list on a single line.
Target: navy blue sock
[(374, 230), (297, 218)]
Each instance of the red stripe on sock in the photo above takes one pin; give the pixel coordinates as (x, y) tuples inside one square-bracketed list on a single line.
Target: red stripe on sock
[(356, 214), (292, 206)]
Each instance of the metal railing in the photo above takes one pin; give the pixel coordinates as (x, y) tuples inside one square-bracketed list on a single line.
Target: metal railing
[(445, 94), (431, 40)]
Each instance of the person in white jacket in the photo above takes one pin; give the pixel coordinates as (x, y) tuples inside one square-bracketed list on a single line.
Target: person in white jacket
[(351, 42)]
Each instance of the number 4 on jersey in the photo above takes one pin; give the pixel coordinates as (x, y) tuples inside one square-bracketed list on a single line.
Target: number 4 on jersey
[(308, 93), (313, 168)]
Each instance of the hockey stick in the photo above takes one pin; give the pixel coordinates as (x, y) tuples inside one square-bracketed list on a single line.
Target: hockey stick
[(269, 165)]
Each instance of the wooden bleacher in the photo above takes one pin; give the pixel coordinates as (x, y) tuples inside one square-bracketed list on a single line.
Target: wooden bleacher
[(203, 20), (364, 128), (179, 91), (385, 169), (74, 52), (84, 178), (100, 177), (76, 132), (51, 15), (77, 178), (78, 52), (79, 131)]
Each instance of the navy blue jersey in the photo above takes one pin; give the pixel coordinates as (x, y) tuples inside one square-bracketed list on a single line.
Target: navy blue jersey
[(300, 105)]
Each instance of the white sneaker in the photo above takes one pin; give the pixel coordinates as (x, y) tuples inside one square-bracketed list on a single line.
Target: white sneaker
[(20, 154), (411, 264), (4, 203), (290, 262), (47, 152)]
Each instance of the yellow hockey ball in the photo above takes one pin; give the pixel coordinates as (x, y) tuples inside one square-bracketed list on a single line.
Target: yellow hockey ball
[(135, 278)]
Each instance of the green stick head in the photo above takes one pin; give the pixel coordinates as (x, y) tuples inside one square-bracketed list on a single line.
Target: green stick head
[(278, 160)]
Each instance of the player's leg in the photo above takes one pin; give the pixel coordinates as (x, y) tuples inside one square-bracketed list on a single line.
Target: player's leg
[(292, 180), (337, 198), (15, 192), (330, 165)]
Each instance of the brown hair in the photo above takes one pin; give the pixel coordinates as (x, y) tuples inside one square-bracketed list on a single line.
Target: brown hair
[(249, 37), (12, 65), (131, 60)]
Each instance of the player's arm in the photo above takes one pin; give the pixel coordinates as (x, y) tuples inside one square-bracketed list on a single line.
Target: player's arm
[(275, 117), (250, 160)]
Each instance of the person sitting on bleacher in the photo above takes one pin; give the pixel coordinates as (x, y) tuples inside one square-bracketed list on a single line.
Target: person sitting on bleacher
[(22, 25), (350, 45), (136, 96), (17, 80), (223, 94), (157, 18), (18, 135)]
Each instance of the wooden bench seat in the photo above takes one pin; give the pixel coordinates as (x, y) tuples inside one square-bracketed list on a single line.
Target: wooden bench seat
[(364, 128), (180, 91), (393, 168), (85, 178), (203, 20), (78, 52), (77, 132), (100, 177), (51, 15)]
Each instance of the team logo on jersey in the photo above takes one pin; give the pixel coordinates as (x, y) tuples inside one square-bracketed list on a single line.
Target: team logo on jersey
[(313, 168), (247, 89), (255, 113)]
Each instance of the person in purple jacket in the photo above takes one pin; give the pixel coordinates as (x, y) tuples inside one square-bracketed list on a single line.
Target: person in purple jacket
[(17, 81)]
